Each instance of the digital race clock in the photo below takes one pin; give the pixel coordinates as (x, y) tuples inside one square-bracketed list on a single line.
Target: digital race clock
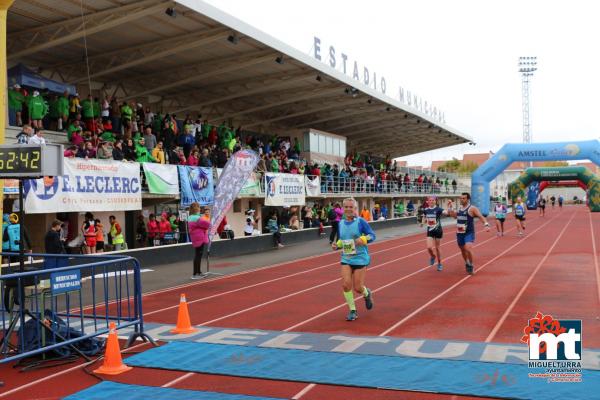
[(30, 161)]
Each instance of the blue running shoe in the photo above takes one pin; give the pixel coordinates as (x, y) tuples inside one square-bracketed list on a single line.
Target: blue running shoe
[(432, 261), (369, 300), (439, 267), (352, 315)]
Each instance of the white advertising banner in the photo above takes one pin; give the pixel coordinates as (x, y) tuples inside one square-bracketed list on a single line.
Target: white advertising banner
[(284, 189), (313, 186), (87, 185)]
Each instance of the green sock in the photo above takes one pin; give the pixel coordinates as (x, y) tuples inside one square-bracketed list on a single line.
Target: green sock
[(350, 300), (365, 291)]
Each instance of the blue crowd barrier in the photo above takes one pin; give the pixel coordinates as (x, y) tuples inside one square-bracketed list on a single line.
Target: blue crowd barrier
[(61, 302)]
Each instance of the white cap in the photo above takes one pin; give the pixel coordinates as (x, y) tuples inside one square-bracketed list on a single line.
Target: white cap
[(36, 93), (17, 86)]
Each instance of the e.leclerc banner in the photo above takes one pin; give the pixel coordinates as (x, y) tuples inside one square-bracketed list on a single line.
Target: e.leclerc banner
[(235, 174), (284, 189), (87, 185), (196, 185)]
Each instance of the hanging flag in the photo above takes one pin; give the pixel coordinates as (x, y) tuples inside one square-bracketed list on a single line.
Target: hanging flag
[(232, 179), (196, 185)]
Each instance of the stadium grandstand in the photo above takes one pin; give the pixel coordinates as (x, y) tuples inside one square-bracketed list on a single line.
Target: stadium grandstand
[(206, 84)]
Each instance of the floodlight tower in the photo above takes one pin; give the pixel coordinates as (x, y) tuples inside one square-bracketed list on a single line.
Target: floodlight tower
[(527, 66)]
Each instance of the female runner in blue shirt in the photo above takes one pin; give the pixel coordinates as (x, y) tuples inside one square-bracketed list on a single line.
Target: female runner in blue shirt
[(354, 235)]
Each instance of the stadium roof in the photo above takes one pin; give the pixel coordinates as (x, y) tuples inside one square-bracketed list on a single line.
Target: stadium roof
[(202, 60)]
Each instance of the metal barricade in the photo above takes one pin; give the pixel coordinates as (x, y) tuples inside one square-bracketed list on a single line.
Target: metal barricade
[(63, 300)]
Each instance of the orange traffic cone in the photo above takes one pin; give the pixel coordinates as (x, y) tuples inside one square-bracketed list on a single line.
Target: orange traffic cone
[(113, 363), (183, 318)]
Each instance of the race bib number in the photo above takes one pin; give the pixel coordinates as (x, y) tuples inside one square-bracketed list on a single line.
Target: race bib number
[(348, 247), (500, 215), (431, 222), (519, 212), (461, 228)]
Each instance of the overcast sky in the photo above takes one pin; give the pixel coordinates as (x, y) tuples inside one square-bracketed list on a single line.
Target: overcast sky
[(460, 55)]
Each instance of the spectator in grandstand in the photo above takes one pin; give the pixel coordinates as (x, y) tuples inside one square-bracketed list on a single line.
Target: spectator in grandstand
[(149, 138), (176, 156), (37, 138), (205, 159), (25, 134), (15, 105), (115, 115), (454, 185), (118, 153), (70, 152), (222, 158), (129, 153), (141, 152), (37, 109), (126, 116), (187, 140), (74, 107), (158, 153), (194, 158), (105, 151)]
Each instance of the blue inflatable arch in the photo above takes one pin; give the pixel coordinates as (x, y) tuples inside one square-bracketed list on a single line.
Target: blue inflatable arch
[(562, 151)]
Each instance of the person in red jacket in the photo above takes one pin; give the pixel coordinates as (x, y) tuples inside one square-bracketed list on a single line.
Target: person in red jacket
[(153, 230), (164, 226), (198, 230)]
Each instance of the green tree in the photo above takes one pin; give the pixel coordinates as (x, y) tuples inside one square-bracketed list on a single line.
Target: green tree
[(467, 168), (449, 166)]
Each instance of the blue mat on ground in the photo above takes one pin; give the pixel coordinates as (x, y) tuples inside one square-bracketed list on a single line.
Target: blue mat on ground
[(398, 373), (111, 390)]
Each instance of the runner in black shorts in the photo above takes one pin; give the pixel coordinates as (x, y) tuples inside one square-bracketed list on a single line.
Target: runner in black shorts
[(432, 217), (542, 206)]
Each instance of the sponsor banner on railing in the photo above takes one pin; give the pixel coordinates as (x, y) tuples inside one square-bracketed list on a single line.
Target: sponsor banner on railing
[(251, 186), (284, 189), (87, 185), (313, 186), (196, 185), (161, 178), (236, 172), (11, 186)]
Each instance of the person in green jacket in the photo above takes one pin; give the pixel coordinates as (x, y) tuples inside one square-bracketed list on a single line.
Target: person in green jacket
[(63, 111), (141, 152), (126, 114), (15, 105), (37, 110)]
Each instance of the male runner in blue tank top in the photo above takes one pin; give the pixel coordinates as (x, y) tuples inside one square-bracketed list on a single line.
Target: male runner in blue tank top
[(354, 234), (432, 216), (465, 228)]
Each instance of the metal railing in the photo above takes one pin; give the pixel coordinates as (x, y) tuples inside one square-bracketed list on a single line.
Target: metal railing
[(361, 186), (57, 308)]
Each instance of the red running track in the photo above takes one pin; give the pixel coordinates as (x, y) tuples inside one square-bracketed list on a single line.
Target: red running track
[(553, 269)]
